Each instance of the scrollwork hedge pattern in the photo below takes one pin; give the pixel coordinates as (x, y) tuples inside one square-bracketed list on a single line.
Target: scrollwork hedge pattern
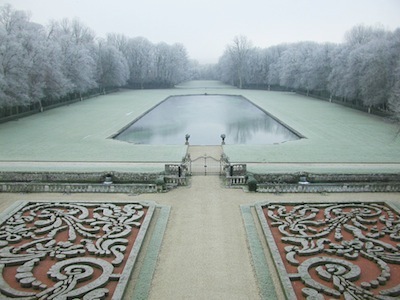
[(84, 244), (333, 247)]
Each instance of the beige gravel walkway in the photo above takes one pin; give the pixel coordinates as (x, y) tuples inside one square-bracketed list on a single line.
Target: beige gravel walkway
[(204, 254)]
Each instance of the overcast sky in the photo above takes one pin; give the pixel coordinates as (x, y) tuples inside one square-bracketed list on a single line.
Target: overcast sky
[(205, 27)]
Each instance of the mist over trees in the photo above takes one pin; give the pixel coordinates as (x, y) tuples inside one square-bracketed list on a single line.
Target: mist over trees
[(364, 70), (65, 60)]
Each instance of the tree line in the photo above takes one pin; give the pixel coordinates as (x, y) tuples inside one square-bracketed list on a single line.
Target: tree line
[(364, 69), (41, 65), (64, 60)]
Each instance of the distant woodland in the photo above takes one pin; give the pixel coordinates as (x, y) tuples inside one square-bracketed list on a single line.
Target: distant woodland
[(64, 60), (44, 65), (364, 70)]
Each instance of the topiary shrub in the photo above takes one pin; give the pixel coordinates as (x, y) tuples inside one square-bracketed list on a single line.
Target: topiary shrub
[(252, 183), (160, 182)]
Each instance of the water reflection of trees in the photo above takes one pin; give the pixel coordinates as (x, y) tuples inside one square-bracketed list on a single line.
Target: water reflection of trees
[(270, 131), (205, 118), (151, 134)]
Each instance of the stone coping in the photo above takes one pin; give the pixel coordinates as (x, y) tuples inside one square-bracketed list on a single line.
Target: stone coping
[(260, 265), (351, 187), (45, 187)]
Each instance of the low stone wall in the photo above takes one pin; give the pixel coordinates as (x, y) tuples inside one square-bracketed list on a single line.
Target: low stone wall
[(78, 182), (45, 187), (78, 177), (376, 187), (324, 183), (326, 178)]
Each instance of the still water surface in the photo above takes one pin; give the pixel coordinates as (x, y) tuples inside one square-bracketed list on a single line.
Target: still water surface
[(205, 118)]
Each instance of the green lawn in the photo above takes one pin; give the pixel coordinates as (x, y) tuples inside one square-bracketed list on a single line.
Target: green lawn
[(81, 131)]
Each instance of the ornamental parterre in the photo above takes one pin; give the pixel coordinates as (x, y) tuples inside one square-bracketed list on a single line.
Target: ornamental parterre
[(339, 250), (70, 250)]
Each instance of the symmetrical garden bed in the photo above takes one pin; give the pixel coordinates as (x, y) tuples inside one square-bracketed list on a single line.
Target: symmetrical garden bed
[(340, 250), (70, 250)]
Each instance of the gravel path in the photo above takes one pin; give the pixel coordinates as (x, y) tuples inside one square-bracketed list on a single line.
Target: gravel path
[(204, 253)]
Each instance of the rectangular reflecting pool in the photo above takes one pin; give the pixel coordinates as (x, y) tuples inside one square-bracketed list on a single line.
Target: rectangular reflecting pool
[(205, 118)]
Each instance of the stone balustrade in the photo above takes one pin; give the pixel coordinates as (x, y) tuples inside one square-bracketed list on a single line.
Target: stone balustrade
[(78, 177), (175, 169), (175, 180), (236, 180), (41, 187), (236, 169), (356, 187)]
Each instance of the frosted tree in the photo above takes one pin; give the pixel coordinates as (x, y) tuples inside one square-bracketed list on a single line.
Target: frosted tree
[(77, 45), (120, 42), (394, 93), (171, 64), (239, 52), (318, 68), (112, 67), (30, 65), (141, 59), (359, 65), (295, 65), (288, 66), (14, 62), (394, 99), (2, 87), (178, 63), (34, 45), (64, 60), (339, 66), (202, 71), (225, 69), (274, 55), (195, 70), (124, 45), (161, 63), (361, 34), (257, 68), (375, 76), (56, 84)]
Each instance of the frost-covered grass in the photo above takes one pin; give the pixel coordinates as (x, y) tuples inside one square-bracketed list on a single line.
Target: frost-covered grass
[(333, 133), (324, 168), (81, 131), (206, 84)]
